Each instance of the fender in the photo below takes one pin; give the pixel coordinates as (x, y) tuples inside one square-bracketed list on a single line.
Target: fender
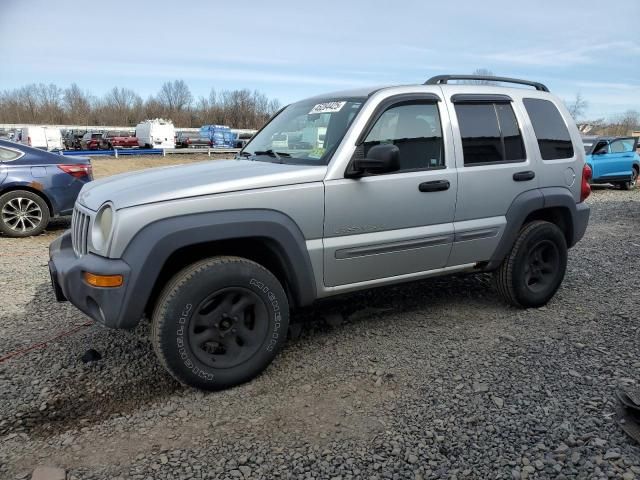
[(532, 200), (150, 248)]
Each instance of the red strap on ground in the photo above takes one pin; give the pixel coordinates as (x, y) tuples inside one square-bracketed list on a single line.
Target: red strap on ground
[(39, 345)]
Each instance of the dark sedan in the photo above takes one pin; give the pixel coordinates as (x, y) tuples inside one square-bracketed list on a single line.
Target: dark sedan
[(36, 186), (189, 139)]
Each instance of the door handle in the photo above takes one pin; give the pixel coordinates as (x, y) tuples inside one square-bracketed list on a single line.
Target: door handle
[(434, 186), (524, 176)]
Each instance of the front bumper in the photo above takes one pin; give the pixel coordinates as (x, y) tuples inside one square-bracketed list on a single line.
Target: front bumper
[(104, 305)]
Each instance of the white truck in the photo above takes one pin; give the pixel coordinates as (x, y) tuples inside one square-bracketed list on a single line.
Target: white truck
[(156, 133), (46, 138)]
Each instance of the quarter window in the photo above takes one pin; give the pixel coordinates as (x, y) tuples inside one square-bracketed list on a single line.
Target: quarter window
[(551, 131), (490, 133), (7, 155), (416, 130)]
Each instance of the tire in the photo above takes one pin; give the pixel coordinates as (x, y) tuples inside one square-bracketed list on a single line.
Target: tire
[(23, 214), (198, 332), (534, 269), (630, 184)]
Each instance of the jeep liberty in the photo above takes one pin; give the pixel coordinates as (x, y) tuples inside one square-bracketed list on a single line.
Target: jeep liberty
[(400, 183)]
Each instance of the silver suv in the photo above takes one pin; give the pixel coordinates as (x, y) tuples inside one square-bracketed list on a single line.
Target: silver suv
[(336, 193)]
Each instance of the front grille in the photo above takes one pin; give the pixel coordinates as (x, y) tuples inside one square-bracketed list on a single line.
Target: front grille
[(80, 222)]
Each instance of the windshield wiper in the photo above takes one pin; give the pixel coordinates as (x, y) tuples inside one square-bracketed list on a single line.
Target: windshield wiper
[(271, 153), (245, 154)]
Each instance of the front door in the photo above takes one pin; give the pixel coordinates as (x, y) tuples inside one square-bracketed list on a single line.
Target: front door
[(399, 223)]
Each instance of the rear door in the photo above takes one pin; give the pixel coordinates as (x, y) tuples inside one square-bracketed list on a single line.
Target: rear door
[(494, 167)]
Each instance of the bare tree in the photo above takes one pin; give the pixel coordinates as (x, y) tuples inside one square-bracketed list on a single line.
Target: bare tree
[(484, 72), (577, 106), (175, 96), (40, 103), (77, 105)]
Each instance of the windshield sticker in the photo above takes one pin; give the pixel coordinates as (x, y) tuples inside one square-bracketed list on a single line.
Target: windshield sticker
[(328, 107), (316, 153)]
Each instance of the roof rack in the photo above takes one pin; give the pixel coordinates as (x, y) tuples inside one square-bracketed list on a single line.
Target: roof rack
[(440, 79)]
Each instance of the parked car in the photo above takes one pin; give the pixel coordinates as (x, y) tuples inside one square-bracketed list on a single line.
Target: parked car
[(91, 141), (45, 138), (157, 133), (36, 186), (410, 182), (118, 139), (613, 160), (192, 139)]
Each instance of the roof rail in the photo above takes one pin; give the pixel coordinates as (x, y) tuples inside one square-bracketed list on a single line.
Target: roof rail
[(440, 79)]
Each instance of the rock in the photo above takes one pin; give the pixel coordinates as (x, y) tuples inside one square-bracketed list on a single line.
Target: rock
[(246, 471), (499, 402), (412, 458), (480, 387), (611, 455), (49, 473)]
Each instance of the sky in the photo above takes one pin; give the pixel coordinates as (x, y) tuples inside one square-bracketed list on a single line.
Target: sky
[(290, 50)]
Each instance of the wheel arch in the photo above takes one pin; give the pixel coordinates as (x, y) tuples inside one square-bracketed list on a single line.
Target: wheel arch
[(267, 237), (16, 187), (553, 204)]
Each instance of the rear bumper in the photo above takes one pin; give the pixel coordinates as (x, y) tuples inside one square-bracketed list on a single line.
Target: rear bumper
[(104, 305), (580, 222)]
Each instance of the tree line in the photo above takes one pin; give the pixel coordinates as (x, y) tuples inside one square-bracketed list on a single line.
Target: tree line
[(50, 104)]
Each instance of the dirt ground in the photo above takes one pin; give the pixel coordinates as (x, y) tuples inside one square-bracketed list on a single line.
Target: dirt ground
[(107, 166)]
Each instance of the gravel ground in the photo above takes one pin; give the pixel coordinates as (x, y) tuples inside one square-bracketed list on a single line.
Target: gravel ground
[(435, 379)]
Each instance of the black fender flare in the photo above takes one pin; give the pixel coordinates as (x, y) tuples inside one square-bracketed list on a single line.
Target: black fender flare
[(150, 248), (529, 202)]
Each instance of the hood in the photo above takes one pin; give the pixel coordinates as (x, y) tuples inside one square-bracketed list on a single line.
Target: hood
[(195, 179)]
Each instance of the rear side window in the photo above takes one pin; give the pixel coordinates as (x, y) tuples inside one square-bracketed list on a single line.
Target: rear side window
[(7, 155), (490, 133), (551, 131)]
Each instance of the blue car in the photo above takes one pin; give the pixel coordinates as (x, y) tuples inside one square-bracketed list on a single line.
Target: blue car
[(36, 186), (613, 160)]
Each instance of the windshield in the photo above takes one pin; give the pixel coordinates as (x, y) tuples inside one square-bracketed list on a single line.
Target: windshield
[(306, 132)]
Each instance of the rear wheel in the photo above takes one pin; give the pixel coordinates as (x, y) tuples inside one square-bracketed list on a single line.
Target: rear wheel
[(23, 214), (534, 269), (220, 322)]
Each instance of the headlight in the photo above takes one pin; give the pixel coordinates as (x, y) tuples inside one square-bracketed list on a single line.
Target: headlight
[(102, 226)]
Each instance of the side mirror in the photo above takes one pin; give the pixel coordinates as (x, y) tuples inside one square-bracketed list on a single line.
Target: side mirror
[(383, 158)]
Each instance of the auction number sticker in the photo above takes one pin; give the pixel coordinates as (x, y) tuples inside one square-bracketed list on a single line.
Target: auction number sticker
[(328, 107)]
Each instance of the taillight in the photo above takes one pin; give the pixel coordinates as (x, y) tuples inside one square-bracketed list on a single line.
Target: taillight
[(78, 171), (29, 141), (585, 189)]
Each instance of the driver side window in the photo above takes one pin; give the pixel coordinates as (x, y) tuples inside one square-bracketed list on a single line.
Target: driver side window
[(416, 130), (601, 148)]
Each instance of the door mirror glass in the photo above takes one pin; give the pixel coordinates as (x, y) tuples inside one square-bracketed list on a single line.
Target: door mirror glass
[(383, 158)]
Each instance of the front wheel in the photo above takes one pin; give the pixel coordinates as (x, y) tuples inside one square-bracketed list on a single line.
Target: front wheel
[(631, 183), (220, 322), (534, 269), (23, 214)]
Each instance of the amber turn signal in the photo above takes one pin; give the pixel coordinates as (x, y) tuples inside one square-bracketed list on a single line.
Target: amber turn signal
[(103, 280)]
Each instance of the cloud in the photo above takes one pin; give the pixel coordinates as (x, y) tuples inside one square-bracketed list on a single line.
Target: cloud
[(554, 57)]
